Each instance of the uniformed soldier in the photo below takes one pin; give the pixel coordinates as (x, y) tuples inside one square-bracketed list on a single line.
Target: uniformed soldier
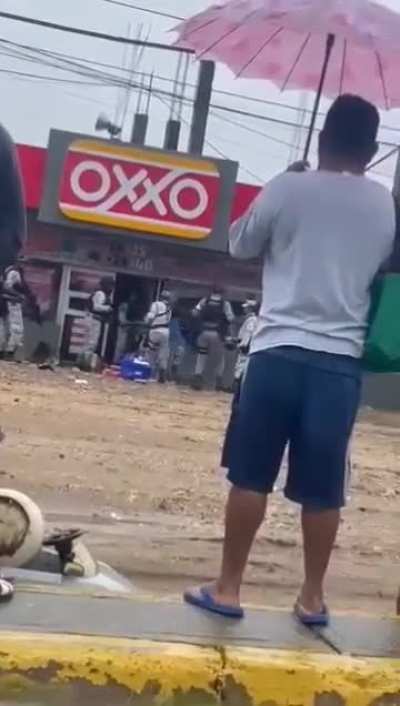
[(99, 312), (158, 320), (215, 316), (246, 332), (16, 295)]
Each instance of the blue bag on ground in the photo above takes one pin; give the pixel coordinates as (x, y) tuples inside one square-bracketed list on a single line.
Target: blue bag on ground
[(135, 369)]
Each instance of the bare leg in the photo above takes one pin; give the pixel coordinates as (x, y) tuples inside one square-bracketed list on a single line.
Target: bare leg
[(245, 513), (319, 531)]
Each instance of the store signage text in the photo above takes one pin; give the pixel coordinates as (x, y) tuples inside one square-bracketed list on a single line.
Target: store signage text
[(141, 190)]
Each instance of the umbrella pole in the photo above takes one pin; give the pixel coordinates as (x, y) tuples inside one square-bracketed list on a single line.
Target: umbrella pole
[(329, 46)]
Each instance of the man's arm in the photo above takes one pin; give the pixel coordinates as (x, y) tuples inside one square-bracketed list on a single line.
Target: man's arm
[(199, 307), (12, 206), (13, 281), (228, 311), (99, 303), (246, 333), (152, 314), (249, 235), (123, 314)]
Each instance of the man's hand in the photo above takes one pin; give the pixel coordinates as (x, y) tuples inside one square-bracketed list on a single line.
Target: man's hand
[(301, 166)]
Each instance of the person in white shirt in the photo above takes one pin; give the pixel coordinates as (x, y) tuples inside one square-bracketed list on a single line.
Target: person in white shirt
[(324, 236), (245, 337), (158, 319), (100, 308), (14, 297)]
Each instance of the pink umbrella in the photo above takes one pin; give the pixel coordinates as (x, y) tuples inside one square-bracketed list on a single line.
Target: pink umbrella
[(329, 46)]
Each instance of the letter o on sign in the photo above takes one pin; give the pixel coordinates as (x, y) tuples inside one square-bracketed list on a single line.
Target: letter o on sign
[(189, 214), (90, 196)]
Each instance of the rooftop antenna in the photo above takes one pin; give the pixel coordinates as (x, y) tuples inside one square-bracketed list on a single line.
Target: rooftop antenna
[(141, 119), (121, 93), (136, 60)]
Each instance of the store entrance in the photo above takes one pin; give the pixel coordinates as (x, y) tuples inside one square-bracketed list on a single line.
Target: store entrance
[(76, 287), (133, 295)]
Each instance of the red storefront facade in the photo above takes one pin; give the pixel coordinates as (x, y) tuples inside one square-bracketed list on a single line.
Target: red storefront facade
[(68, 253)]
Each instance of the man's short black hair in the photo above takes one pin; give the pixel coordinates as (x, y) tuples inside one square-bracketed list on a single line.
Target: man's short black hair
[(351, 127)]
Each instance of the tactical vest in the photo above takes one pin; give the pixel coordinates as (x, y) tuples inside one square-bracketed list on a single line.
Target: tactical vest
[(213, 314)]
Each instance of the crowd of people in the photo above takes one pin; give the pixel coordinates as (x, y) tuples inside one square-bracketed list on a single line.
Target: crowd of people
[(169, 330)]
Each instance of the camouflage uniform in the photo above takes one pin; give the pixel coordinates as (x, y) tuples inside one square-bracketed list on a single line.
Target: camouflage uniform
[(100, 310), (14, 323), (216, 315), (159, 318)]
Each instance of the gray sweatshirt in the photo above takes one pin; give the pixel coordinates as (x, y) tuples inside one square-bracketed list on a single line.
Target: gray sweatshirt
[(323, 237)]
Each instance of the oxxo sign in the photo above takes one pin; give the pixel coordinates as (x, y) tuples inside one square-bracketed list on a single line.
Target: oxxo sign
[(141, 190)]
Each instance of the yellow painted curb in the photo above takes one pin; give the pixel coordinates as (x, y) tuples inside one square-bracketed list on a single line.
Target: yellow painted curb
[(116, 669), (282, 678), (60, 669)]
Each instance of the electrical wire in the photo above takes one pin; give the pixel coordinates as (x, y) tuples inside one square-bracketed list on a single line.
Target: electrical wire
[(54, 79), (151, 11), (44, 24), (69, 61), (154, 45), (384, 158), (216, 149), (107, 78)]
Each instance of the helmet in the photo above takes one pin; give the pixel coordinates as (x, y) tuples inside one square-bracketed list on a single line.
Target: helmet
[(166, 296), (250, 306), (107, 284)]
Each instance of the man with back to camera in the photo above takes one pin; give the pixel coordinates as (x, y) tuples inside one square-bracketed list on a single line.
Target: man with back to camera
[(215, 317), (324, 235), (158, 320), (100, 308)]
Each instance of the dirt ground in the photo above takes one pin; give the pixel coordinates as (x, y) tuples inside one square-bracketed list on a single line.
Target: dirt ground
[(138, 468)]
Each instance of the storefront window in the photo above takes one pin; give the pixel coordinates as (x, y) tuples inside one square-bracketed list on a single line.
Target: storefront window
[(44, 281)]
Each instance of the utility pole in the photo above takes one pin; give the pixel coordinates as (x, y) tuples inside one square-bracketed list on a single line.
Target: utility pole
[(201, 107)]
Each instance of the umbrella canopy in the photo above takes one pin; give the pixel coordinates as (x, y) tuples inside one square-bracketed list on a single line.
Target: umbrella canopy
[(285, 41)]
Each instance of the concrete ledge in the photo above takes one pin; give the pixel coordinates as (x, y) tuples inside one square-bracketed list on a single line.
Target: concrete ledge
[(284, 678), (60, 670)]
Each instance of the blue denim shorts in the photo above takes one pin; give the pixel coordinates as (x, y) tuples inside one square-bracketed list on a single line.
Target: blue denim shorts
[(303, 399)]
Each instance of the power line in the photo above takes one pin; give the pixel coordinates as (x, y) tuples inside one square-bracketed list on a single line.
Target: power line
[(230, 94), (92, 34), (159, 13), (54, 79), (278, 141), (384, 158), (214, 148), (48, 58), (69, 60), (117, 80)]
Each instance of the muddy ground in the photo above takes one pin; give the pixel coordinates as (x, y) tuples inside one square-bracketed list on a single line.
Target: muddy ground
[(138, 467)]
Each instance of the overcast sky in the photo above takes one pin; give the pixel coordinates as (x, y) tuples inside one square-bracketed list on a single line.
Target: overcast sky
[(30, 107)]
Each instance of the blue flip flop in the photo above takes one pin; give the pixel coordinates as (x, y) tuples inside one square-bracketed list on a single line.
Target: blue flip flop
[(205, 601), (311, 620)]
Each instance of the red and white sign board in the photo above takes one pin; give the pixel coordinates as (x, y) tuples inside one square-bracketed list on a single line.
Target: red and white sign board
[(136, 189)]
